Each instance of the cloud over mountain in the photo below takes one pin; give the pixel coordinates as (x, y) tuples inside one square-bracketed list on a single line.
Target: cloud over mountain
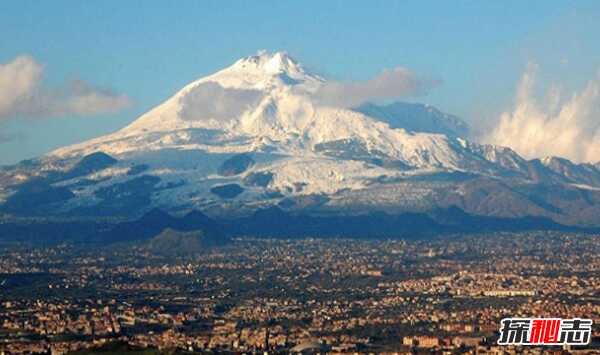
[(390, 84), (552, 127), (23, 95), (211, 100), (17, 79)]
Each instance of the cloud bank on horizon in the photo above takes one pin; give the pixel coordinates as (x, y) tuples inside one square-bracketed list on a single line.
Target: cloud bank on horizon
[(568, 128), (23, 95)]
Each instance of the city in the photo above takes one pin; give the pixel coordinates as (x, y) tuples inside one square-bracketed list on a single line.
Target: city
[(440, 295)]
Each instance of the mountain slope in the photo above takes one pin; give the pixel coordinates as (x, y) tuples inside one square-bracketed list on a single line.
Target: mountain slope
[(416, 118)]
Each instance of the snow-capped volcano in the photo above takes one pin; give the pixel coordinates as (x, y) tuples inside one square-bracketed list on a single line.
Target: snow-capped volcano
[(266, 102), (257, 133)]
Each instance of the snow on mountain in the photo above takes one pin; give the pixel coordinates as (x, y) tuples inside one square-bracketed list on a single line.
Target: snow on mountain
[(252, 134), (416, 117), (277, 113), (587, 174)]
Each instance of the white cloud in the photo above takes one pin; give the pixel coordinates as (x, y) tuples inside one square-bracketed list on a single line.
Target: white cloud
[(553, 126), (390, 84), (17, 80), (211, 100), (22, 95)]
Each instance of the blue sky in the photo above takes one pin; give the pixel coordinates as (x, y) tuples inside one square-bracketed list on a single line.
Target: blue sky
[(147, 50)]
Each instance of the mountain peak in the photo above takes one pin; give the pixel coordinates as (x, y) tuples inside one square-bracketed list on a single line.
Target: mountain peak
[(270, 63)]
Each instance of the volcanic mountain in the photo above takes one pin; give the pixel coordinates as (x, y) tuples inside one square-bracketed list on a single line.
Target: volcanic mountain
[(257, 135)]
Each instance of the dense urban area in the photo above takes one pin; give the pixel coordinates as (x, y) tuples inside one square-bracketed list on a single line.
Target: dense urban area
[(441, 295)]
